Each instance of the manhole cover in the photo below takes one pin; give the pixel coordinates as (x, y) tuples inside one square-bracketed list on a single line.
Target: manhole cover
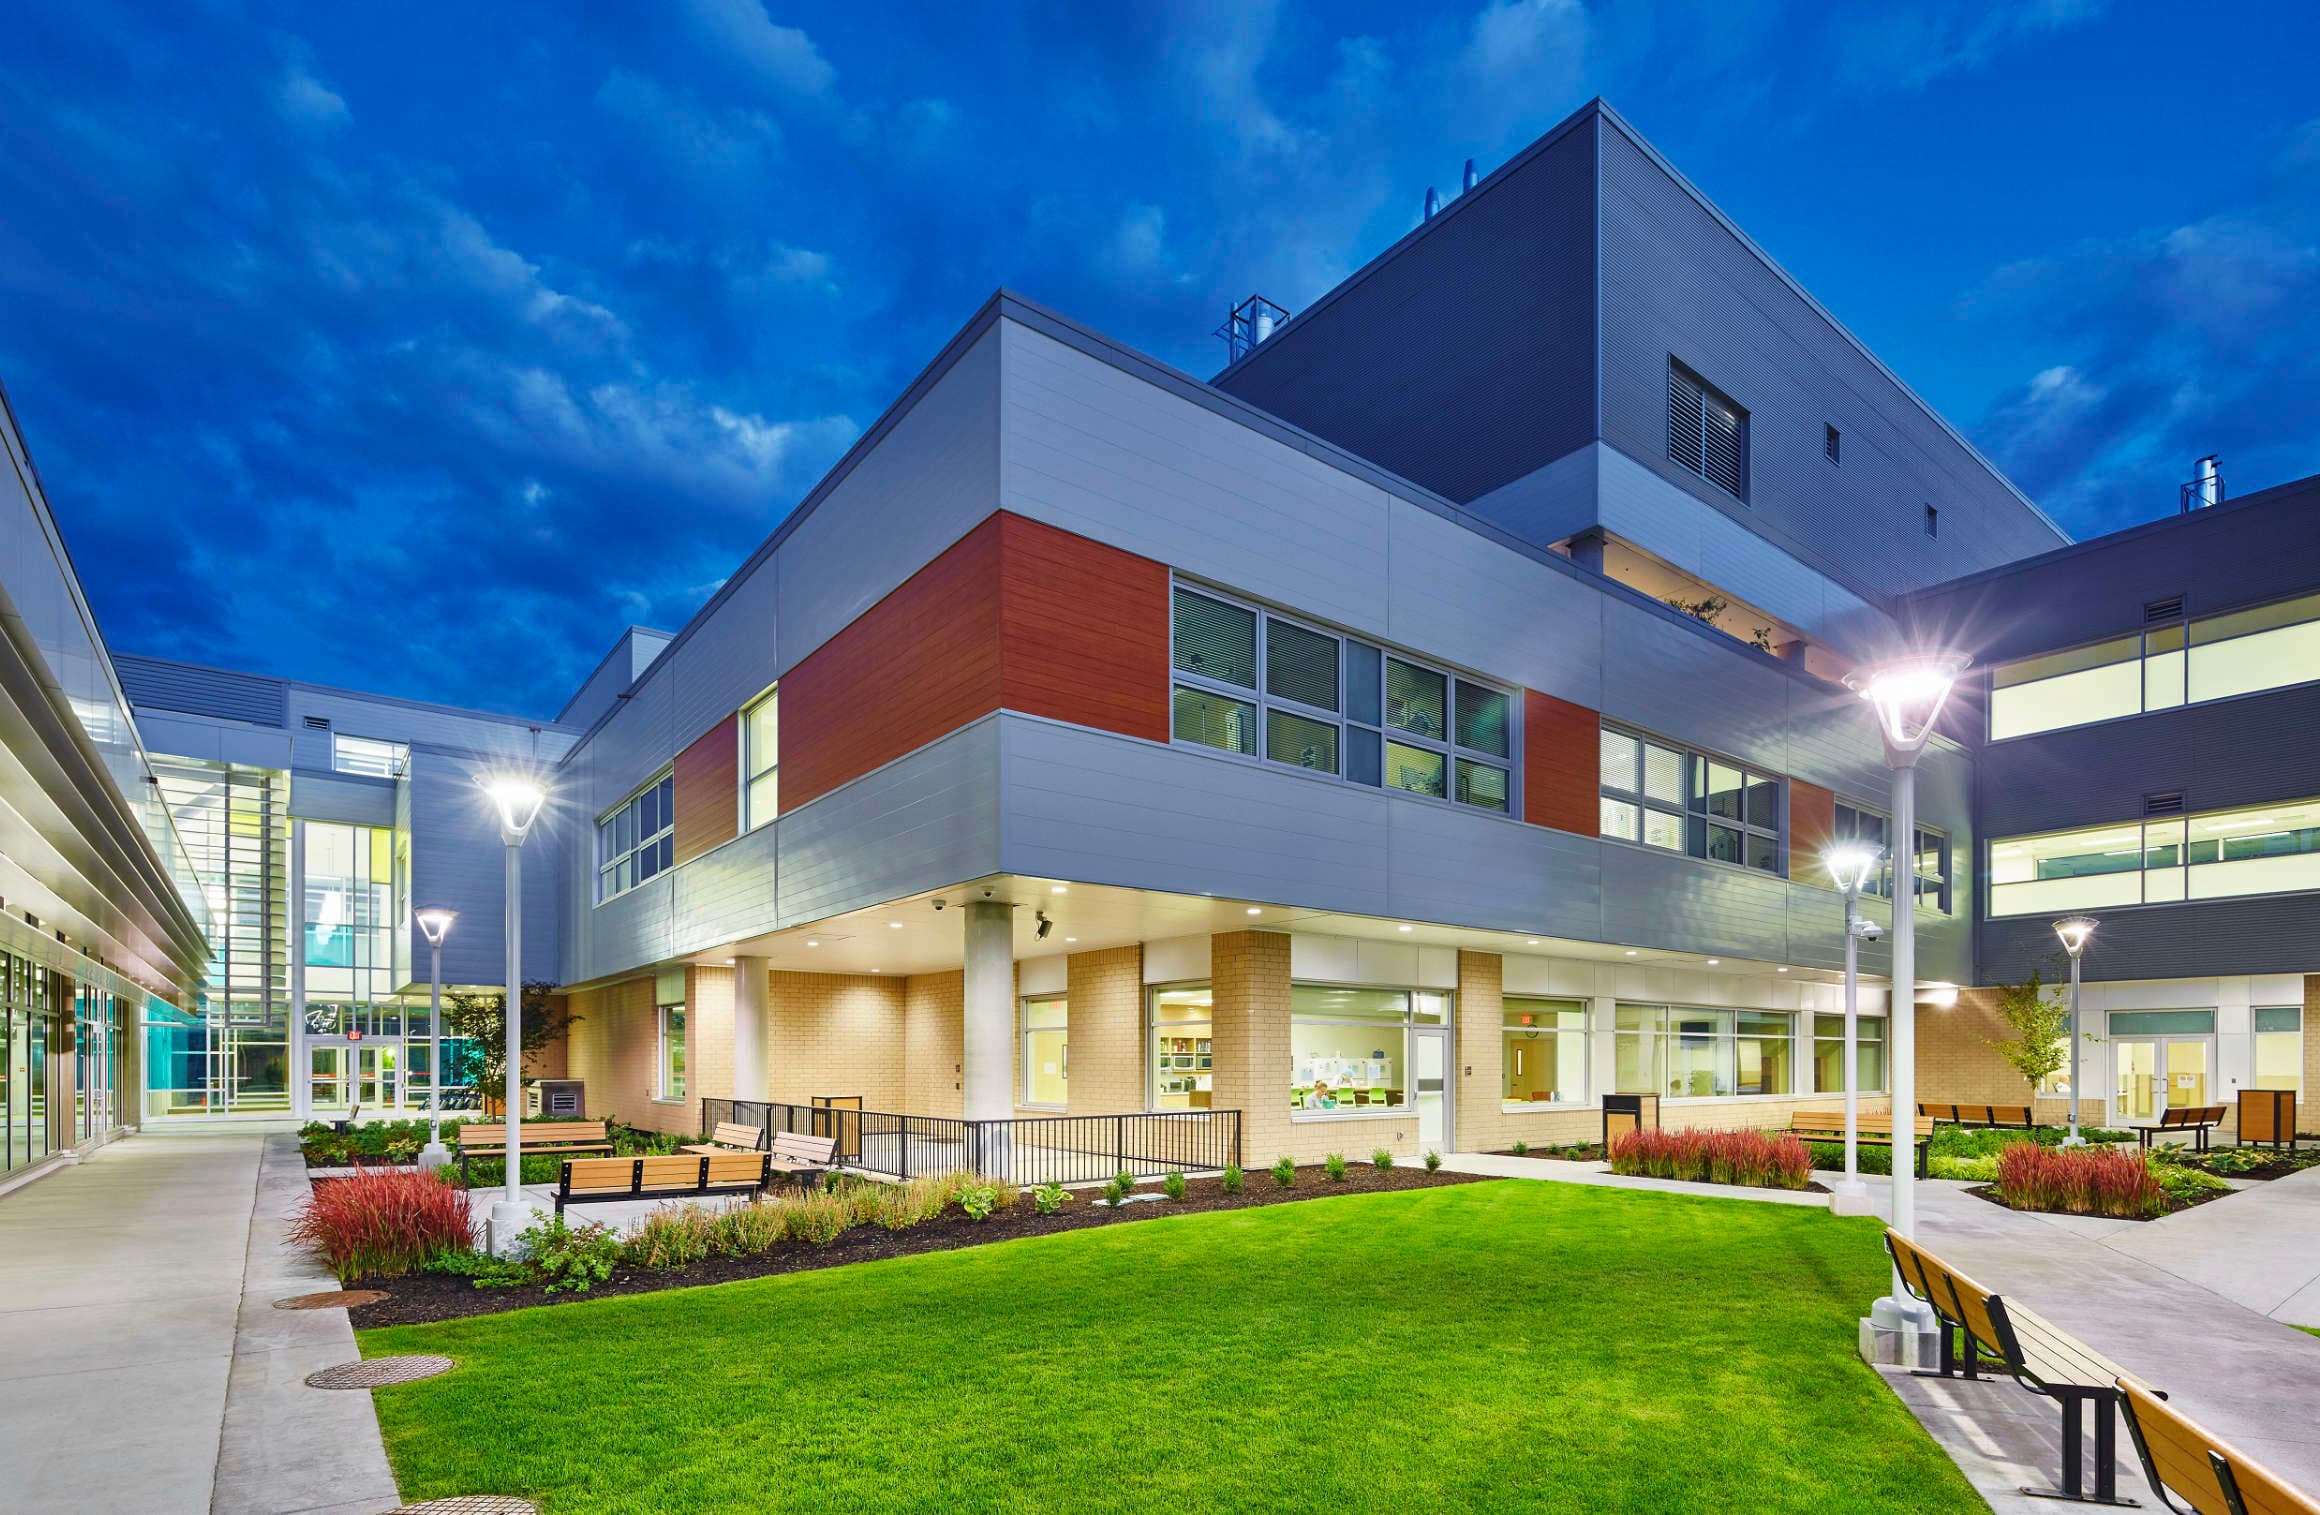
[(331, 1299), (379, 1372), (470, 1504)]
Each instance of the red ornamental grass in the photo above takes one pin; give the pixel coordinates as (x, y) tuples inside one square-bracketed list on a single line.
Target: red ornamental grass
[(1754, 1159), (2078, 1181), (383, 1222)]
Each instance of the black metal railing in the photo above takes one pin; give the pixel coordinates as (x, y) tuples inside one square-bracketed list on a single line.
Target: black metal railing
[(1029, 1150)]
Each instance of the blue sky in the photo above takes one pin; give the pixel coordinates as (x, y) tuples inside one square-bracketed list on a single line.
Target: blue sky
[(420, 348)]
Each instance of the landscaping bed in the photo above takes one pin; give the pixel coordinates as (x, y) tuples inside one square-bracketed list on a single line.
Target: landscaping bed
[(2261, 1163), (396, 1143), (422, 1297), (2113, 1183), (1575, 1152)]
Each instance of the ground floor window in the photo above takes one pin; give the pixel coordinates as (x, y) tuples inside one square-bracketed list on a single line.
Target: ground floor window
[(1683, 1053), (1045, 1057), (1349, 1049), (2279, 1049), (1545, 1051), (1180, 1052), (672, 1052), (1828, 1054)]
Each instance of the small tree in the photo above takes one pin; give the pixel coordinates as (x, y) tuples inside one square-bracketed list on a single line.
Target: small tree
[(480, 1020), (2039, 1048)]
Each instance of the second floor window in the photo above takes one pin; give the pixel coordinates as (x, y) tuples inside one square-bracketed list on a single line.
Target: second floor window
[(1707, 433), (367, 755), (1683, 801), (637, 840), (760, 763)]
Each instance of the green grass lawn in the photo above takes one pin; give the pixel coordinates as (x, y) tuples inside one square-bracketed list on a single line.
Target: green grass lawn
[(1501, 1346)]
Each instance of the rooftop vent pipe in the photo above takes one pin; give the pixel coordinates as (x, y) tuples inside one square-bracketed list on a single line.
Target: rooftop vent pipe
[(2206, 486), (1433, 201), (1467, 182)]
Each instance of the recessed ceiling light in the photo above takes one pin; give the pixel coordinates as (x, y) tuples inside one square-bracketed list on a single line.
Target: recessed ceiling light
[(1780, 970), (1057, 889), (878, 970), (1254, 910), (813, 944), (1631, 952), (1713, 961), (1533, 942), (1405, 928), (894, 925), (1071, 938)]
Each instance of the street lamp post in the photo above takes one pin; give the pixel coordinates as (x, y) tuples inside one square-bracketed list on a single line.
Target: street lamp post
[(435, 924), (518, 800), (1851, 865), (1908, 693), (2074, 933)]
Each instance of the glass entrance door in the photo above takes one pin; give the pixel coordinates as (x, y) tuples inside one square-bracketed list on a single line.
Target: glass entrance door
[(2156, 1074), (1431, 1087)]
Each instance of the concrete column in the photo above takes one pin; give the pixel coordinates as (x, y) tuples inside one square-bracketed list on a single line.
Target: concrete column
[(752, 1026), (301, 1074), (988, 1009), (1587, 549)]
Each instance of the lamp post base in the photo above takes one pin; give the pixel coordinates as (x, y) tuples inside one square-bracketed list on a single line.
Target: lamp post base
[(434, 1155), (2074, 1140), (1850, 1196), (1900, 1333), (508, 1222)]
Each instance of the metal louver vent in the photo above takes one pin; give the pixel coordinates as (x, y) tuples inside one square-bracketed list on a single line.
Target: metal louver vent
[(2170, 803), (2159, 611), (1707, 433), (318, 723)]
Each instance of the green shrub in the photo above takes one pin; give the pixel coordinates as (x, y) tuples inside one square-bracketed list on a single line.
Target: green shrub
[(747, 1230), (1830, 1156), (479, 1268), (1334, 1166), (1173, 1185), (2185, 1184), (1433, 1160), (568, 1258), (979, 1201), (1116, 1190), (1976, 1170), (1047, 1198), (1521, 1149), (1382, 1158), (1284, 1172), (673, 1236), (820, 1217), (1230, 1178)]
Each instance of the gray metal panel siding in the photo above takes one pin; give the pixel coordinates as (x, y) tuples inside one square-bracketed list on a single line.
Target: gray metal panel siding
[(1664, 679), (182, 687), (457, 860), (339, 797), (2209, 938), (512, 739), (921, 822), (730, 893), (1463, 360), (1455, 595), (2254, 750), (1681, 903), (1677, 282)]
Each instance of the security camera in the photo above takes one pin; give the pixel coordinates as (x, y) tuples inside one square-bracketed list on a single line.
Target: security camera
[(938, 904), (1867, 931)]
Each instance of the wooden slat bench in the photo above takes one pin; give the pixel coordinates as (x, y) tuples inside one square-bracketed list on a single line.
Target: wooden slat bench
[(1994, 1117), (596, 1180), (2205, 1472), (2040, 1356), (1872, 1131), (553, 1137), (800, 1158), (2197, 1119), (731, 1136)]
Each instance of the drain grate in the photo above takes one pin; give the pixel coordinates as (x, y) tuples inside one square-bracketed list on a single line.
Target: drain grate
[(378, 1372), (331, 1299), (470, 1504)]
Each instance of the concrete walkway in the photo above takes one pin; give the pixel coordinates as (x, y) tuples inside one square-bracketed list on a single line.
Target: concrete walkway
[(142, 1365)]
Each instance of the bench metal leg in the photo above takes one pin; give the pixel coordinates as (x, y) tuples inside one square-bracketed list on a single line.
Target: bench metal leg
[(2104, 1403)]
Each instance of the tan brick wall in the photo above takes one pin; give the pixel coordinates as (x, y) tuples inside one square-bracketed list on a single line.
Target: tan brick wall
[(1957, 1064), (612, 1046), (2306, 1118), (1484, 1122), (1106, 995), (934, 1042), (836, 1034), (1249, 980)]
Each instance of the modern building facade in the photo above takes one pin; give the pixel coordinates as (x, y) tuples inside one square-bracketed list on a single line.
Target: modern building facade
[(1420, 732)]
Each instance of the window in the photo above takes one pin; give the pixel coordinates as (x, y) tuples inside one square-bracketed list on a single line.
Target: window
[(1331, 704), (1932, 521), (2273, 849), (1684, 1053), (2165, 665), (1179, 1050), (1545, 1055), (1832, 444), (1828, 1054), (637, 840), (1707, 433), (1855, 823), (760, 762), (362, 754), (1683, 801), (2279, 1048), (1349, 1048), (1046, 1063), (670, 1081)]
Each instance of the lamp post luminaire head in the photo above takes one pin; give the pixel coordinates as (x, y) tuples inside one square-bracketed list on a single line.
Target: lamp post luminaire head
[(1852, 865), (2074, 933), (435, 923), (519, 800), (1909, 693)]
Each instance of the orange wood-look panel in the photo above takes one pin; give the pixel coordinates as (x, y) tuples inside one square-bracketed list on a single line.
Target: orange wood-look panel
[(708, 790), (919, 663), (1562, 764), (1083, 631), (1812, 826)]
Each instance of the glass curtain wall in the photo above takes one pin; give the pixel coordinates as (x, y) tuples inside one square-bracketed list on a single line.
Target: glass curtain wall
[(355, 1022), (2212, 658), (1682, 1053), (2270, 849)]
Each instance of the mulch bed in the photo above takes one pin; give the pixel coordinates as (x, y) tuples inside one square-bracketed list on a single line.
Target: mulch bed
[(1990, 1193), (1590, 1154), (429, 1297)]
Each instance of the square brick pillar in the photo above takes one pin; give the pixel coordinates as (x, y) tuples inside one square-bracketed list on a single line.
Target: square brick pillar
[(1480, 1047), (1249, 979), (1105, 1031)]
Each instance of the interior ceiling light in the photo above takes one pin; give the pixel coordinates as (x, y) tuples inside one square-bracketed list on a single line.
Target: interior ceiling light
[(894, 925), (1057, 889), (1405, 928), (1713, 961), (1253, 910), (813, 944)]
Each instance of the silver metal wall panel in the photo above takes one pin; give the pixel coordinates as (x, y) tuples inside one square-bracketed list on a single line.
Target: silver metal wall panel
[(1665, 679), (191, 690), (1463, 598), (1457, 867), (1549, 503), (2271, 934), (512, 738), (457, 860), (1110, 456), (1105, 809), (1667, 900), (342, 797), (920, 822), (624, 752), (1677, 282), (214, 741), (730, 893)]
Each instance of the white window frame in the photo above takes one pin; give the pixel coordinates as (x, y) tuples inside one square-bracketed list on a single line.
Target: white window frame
[(1586, 1035), (1693, 758), (749, 769), (610, 853), (1882, 885), (1149, 1053), (1812, 1040), (1409, 1025), (662, 1071), (397, 755), (1023, 1032), (1666, 1036)]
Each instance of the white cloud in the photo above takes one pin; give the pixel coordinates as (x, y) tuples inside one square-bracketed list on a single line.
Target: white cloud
[(303, 98), (781, 56), (1886, 47), (720, 151)]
